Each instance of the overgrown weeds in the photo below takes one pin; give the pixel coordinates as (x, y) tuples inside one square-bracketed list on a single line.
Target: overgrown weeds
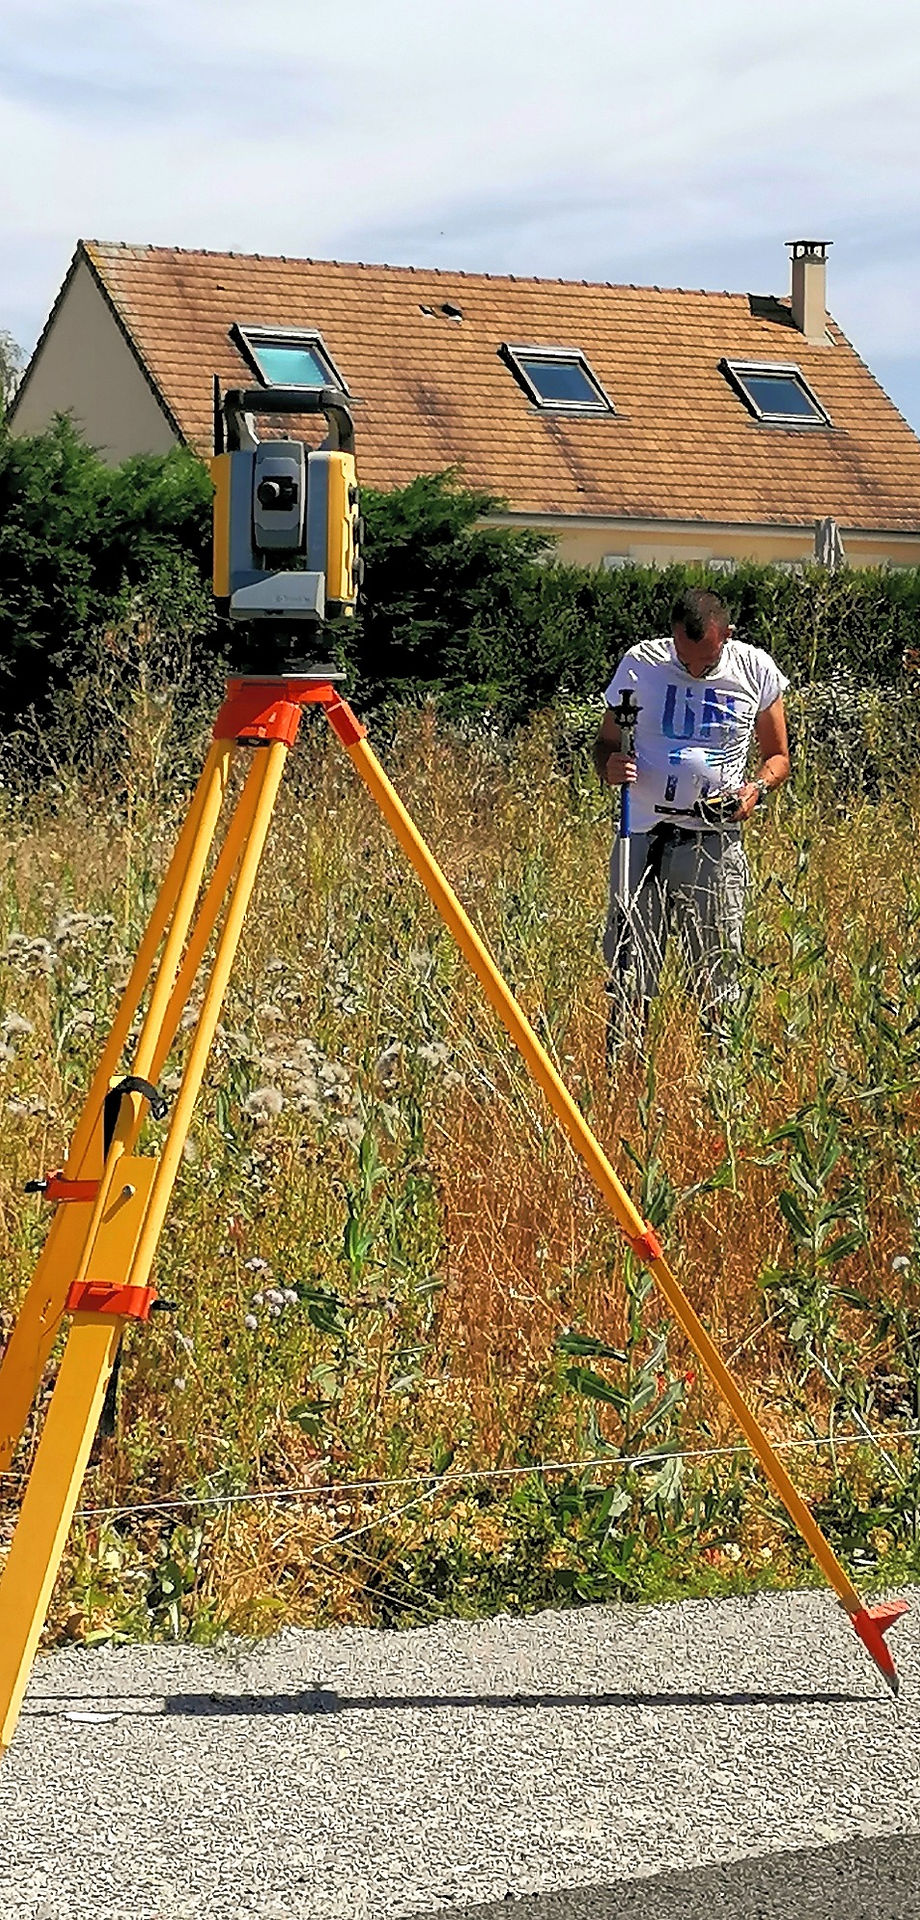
[(387, 1264)]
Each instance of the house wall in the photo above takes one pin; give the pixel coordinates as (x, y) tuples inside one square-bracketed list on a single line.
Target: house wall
[(659, 544), (86, 368)]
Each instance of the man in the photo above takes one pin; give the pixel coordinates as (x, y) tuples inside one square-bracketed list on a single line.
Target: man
[(702, 697)]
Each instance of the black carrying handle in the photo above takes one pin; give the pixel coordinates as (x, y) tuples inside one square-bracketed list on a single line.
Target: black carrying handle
[(132, 1083), (237, 401)]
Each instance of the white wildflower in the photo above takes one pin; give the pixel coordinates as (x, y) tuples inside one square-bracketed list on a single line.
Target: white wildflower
[(251, 1323), (388, 1063), (263, 1102), (434, 1054), (236, 1037), (72, 927), (15, 1023), (29, 956)]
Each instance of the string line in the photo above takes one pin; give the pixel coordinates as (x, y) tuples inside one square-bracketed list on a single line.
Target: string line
[(444, 1481)]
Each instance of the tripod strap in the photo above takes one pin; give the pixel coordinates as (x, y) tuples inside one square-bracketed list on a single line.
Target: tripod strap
[(132, 1083), (108, 1418)]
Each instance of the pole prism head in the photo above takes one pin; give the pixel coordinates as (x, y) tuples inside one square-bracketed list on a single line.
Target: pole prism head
[(872, 1623), (625, 715)]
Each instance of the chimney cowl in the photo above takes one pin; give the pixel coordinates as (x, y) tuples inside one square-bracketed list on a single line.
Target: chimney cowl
[(809, 288)]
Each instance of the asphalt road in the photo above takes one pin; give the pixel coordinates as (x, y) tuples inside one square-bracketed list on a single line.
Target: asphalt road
[(715, 1758), (860, 1880)]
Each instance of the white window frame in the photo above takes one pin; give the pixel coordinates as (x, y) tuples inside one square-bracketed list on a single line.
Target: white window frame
[(553, 356), (247, 341), (735, 371)]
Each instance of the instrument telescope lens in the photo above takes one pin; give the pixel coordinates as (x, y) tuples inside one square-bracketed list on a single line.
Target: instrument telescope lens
[(277, 496)]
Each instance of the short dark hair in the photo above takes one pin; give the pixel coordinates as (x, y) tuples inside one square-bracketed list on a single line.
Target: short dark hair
[(696, 608)]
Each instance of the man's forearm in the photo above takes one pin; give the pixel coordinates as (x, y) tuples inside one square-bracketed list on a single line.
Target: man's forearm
[(773, 771), (603, 748)]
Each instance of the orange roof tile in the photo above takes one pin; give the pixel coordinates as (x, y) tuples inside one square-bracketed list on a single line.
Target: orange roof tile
[(433, 392)]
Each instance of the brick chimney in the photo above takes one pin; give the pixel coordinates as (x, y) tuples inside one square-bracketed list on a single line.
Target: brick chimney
[(809, 287)]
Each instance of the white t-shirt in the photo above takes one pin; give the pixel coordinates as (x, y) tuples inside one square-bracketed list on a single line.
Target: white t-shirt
[(693, 736)]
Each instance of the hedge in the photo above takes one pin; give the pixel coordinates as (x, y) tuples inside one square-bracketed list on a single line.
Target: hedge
[(478, 618)]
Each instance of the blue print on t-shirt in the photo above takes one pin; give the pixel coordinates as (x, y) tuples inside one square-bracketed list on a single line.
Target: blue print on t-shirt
[(715, 715), (668, 727), (718, 711)]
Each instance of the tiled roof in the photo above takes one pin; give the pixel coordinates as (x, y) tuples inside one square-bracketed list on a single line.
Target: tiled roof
[(433, 391)]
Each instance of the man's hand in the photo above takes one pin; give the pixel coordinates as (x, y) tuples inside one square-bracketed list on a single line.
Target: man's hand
[(619, 770), (748, 798)]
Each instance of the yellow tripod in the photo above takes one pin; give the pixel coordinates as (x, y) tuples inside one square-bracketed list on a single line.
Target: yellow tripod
[(112, 1202)]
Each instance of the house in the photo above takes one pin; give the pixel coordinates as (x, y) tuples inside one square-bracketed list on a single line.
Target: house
[(631, 422)]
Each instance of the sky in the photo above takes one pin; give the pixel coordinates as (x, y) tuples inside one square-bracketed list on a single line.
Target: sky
[(658, 143)]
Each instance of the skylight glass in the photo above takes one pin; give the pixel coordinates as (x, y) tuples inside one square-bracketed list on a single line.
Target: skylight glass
[(288, 357), (558, 378), (776, 395)]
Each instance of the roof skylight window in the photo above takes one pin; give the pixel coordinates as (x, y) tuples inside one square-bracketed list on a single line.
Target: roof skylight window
[(557, 379), (778, 396), (288, 357)]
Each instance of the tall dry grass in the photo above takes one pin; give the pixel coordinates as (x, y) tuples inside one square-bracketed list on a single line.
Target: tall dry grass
[(379, 1237)]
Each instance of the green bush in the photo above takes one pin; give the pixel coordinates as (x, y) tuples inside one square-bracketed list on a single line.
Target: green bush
[(75, 535), (484, 618), (439, 589), (479, 619)]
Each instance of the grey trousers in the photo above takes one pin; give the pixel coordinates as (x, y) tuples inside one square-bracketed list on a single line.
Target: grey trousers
[(698, 896)]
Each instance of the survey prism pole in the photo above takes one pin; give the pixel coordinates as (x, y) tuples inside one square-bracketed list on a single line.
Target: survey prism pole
[(625, 715)]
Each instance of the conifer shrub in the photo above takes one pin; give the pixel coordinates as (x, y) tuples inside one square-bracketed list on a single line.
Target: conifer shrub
[(478, 619)]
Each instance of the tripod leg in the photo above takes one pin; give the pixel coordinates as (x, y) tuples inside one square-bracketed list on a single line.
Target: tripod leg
[(203, 809), (246, 839), (641, 1238), (132, 1222), (50, 1499), (199, 937), (70, 1233)]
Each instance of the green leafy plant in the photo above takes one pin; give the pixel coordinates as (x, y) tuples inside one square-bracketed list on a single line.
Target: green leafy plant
[(824, 1212)]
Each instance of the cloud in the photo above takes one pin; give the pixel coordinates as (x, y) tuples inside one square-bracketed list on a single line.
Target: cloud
[(599, 141)]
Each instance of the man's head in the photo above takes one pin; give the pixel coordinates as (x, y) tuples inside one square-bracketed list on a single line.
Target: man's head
[(700, 625)]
